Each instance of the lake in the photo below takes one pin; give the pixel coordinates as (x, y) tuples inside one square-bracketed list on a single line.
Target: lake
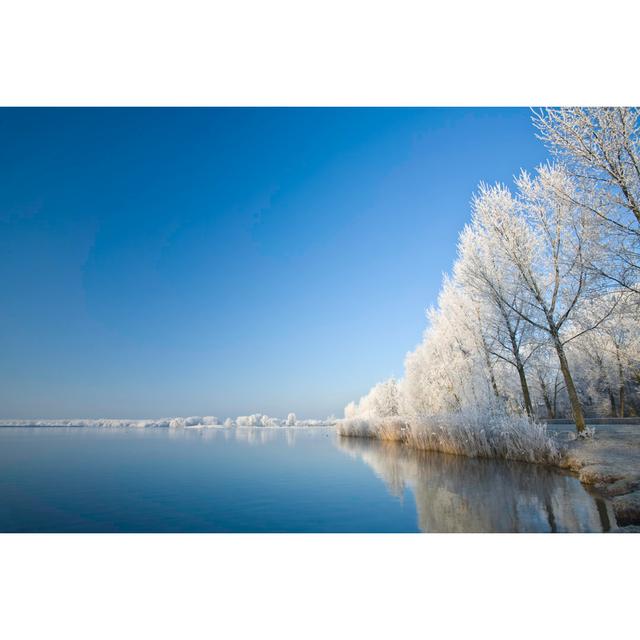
[(88, 479)]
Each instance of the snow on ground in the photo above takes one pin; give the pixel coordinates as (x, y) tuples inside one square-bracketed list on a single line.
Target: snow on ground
[(610, 462)]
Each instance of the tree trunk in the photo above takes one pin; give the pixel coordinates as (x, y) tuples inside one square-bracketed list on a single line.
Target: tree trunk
[(576, 407), (612, 402), (621, 378), (487, 359), (555, 397), (526, 396), (547, 400), (515, 350), (494, 384)]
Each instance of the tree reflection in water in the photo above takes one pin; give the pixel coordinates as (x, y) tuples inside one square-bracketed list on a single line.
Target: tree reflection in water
[(459, 494)]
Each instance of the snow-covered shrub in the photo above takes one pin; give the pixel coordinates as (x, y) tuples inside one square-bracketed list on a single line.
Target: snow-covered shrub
[(387, 428), (193, 421), (249, 421), (327, 422)]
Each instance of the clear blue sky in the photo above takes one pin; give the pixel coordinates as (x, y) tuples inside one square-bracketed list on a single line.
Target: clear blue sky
[(159, 262)]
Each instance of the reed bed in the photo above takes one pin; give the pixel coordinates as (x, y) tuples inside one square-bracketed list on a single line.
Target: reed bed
[(494, 435)]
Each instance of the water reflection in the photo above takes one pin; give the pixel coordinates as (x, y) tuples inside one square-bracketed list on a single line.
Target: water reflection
[(271, 479), (256, 435), (458, 494)]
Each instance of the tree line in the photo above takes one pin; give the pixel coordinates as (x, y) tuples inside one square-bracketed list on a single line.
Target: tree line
[(540, 314)]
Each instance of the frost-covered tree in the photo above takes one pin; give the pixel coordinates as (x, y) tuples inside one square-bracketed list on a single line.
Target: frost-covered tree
[(253, 420), (463, 331), (609, 356), (546, 237), (489, 278), (291, 420), (600, 148), (382, 401), (542, 309), (452, 370), (546, 381)]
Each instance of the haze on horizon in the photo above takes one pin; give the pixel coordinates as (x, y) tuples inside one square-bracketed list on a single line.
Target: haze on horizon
[(163, 262)]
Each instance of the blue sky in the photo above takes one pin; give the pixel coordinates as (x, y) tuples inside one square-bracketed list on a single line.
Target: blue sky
[(161, 262)]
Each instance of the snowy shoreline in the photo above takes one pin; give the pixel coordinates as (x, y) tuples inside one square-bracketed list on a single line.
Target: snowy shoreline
[(192, 422), (608, 462)]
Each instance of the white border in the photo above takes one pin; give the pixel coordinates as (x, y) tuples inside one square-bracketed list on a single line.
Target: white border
[(318, 586), (318, 52)]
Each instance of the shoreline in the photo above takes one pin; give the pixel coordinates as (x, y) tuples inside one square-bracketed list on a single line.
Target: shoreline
[(608, 463)]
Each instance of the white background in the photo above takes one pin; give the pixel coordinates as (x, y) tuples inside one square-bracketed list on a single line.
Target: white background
[(318, 53)]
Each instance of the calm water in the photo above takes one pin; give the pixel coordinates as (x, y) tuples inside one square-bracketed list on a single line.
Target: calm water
[(276, 480)]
